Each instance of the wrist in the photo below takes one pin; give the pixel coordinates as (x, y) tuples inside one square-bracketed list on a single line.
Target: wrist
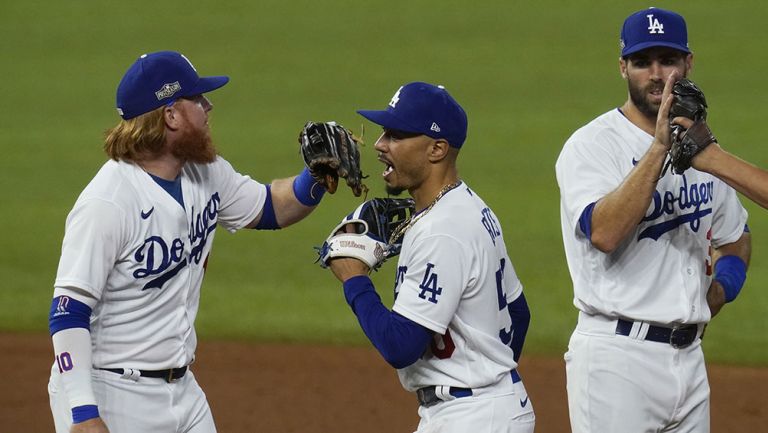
[(731, 272), (84, 413), (306, 189)]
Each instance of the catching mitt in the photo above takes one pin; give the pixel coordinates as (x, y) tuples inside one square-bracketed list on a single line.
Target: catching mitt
[(330, 151), (690, 103), (364, 234)]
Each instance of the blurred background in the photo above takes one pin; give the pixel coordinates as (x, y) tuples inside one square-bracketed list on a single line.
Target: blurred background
[(527, 73)]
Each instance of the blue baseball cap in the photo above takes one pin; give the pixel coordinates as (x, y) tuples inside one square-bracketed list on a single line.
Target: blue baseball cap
[(653, 27), (158, 79), (425, 109)]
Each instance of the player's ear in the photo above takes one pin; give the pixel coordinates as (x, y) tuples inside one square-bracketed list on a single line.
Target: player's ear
[(172, 117), (689, 62), (438, 150), (623, 68)]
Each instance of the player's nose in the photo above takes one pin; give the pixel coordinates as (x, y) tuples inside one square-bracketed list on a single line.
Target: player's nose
[(381, 143)]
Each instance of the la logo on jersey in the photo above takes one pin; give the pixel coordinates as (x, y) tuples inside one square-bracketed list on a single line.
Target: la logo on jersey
[(396, 98), (654, 26)]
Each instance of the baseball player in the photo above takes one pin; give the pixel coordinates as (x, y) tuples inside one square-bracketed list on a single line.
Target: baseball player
[(457, 327), (642, 249), (134, 254)]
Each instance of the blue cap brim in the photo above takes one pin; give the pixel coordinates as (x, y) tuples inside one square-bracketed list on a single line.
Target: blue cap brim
[(644, 45), (387, 120), (207, 84)]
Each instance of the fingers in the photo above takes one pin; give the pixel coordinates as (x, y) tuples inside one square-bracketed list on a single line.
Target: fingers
[(666, 96), (682, 121)]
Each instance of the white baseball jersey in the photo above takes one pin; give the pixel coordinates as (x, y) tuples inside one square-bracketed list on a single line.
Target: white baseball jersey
[(132, 246), (662, 271), (454, 277)]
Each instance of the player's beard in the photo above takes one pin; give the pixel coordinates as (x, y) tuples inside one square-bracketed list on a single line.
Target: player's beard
[(641, 97), (195, 145)]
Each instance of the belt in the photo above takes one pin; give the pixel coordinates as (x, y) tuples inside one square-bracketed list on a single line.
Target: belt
[(679, 337), (169, 375), (431, 395)]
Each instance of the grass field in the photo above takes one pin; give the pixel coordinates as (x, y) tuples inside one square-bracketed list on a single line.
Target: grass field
[(528, 74)]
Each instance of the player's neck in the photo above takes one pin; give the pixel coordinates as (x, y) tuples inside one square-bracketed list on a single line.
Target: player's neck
[(431, 188), (165, 166), (642, 121)]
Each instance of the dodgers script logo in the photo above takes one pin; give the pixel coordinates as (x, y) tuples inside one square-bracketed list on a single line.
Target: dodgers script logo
[(687, 197), (157, 255)]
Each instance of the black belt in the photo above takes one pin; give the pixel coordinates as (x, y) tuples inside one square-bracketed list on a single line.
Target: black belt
[(679, 337), (170, 375), (427, 396)]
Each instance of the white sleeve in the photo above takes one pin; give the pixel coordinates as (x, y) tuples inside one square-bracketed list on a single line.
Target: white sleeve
[(729, 216), (73, 355), (586, 172), (242, 198), (434, 282), (94, 233)]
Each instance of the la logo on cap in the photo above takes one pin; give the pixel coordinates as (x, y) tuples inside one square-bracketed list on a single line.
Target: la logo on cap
[(396, 98), (654, 26)]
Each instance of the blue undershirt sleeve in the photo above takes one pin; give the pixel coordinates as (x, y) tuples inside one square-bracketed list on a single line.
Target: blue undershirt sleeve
[(585, 221), (400, 340), (268, 219), (521, 318)]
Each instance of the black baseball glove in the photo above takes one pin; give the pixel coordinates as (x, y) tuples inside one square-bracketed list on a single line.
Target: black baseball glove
[(690, 103), (368, 237), (330, 151)]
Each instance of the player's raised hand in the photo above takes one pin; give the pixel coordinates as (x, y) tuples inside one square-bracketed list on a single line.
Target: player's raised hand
[(663, 130), (93, 425)]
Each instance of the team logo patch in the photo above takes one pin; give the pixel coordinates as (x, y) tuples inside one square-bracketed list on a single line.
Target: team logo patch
[(168, 90), (654, 26), (396, 98)]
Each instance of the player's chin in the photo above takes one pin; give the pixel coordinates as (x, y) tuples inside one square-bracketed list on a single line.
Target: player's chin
[(393, 189)]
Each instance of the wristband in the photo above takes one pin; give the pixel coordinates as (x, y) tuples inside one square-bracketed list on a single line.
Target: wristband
[(306, 189), (84, 413), (731, 272)]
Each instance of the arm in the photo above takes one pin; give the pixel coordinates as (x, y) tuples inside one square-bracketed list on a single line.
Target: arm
[(69, 325), (739, 174), (521, 318), (716, 295), (288, 201), (400, 341), (616, 214)]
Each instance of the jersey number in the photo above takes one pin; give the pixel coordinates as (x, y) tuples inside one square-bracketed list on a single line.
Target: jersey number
[(64, 362), (442, 345)]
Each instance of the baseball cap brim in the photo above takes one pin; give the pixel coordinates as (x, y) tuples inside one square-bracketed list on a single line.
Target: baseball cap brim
[(388, 120), (207, 84), (643, 45)]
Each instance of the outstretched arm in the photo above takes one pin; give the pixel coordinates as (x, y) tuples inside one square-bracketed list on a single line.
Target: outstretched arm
[(742, 176)]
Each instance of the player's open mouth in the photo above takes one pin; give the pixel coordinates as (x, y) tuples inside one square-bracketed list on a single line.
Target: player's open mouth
[(388, 170)]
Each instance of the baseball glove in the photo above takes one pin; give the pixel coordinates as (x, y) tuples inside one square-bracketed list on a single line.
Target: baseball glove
[(690, 103), (330, 151), (364, 234)]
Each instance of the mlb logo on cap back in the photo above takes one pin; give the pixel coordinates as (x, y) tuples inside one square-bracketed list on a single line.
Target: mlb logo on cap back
[(653, 27), (158, 79), (425, 109)]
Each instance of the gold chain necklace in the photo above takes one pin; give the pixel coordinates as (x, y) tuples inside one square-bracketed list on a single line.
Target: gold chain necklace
[(405, 225)]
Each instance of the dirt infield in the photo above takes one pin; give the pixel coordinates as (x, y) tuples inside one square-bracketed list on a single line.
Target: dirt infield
[(308, 389)]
